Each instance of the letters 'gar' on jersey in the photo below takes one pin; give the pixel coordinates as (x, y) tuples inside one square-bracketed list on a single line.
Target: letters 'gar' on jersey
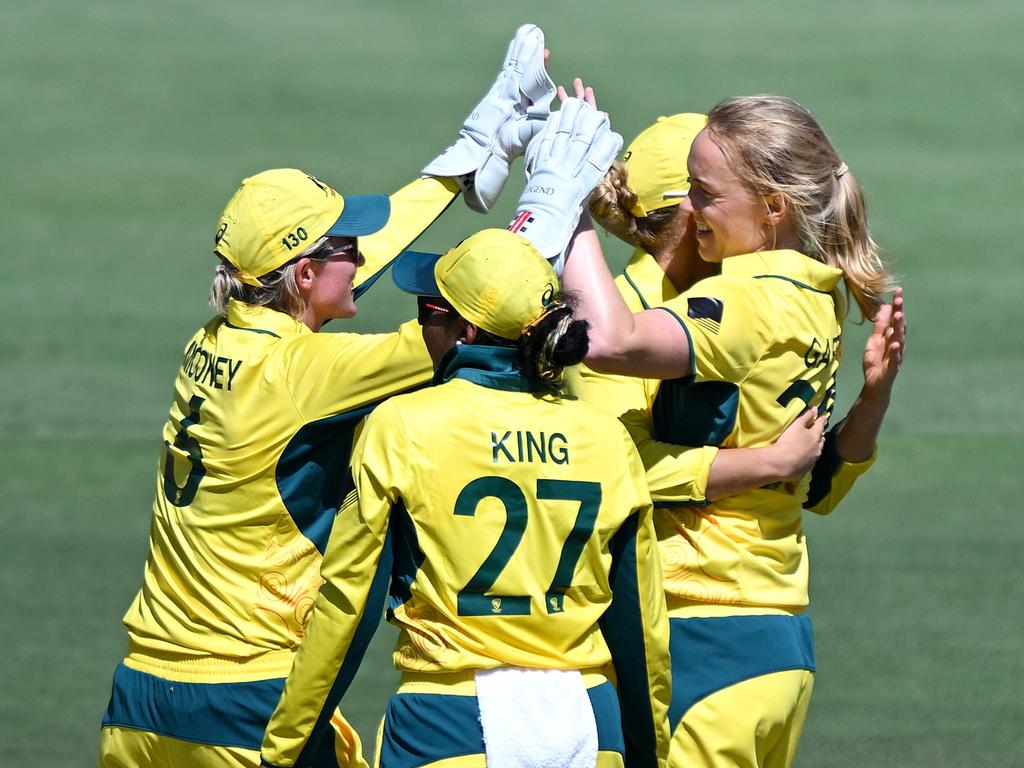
[(504, 520), (765, 337)]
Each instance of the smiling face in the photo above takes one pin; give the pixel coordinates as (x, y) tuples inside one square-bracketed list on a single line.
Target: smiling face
[(729, 218)]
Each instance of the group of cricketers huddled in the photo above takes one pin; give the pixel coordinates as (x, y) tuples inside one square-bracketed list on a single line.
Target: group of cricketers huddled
[(578, 497)]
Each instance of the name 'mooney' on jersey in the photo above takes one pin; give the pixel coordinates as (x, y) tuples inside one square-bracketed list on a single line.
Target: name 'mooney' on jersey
[(208, 368)]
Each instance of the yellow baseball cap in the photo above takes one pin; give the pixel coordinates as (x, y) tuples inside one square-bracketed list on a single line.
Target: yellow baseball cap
[(495, 279), (276, 215), (656, 161)]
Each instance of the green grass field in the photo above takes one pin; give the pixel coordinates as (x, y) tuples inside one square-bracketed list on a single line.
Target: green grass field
[(128, 125)]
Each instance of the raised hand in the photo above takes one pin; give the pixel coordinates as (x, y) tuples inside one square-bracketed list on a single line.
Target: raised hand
[(581, 92), (885, 347), (564, 163), (500, 127), (883, 355)]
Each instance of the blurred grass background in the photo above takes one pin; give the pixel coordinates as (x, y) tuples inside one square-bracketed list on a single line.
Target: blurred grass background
[(128, 124)]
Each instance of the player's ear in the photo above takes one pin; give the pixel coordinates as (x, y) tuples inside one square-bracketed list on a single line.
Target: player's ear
[(776, 207), (468, 335), (304, 274)]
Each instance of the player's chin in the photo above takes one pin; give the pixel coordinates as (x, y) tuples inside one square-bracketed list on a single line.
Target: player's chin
[(707, 254), (706, 249), (345, 311)]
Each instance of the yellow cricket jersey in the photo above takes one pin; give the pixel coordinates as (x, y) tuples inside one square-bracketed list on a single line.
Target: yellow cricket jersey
[(504, 521), (832, 477), (765, 337), (675, 473), (255, 449), (679, 474)]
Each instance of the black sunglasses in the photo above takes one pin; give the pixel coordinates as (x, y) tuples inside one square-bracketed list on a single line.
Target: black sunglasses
[(349, 247), (429, 305)]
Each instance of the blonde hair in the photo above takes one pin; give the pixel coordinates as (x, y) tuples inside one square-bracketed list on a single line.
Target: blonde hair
[(277, 290), (612, 204), (776, 146)]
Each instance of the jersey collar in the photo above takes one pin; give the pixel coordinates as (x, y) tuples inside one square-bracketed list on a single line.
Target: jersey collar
[(250, 317), (648, 280), (785, 265), (491, 367)]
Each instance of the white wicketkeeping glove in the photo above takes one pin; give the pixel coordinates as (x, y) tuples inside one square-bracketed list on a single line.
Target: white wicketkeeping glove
[(499, 127), (563, 165)]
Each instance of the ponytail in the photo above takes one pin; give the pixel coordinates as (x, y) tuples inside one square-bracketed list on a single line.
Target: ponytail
[(612, 206), (846, 243), (277, 290), (549, 344), (552, 342)]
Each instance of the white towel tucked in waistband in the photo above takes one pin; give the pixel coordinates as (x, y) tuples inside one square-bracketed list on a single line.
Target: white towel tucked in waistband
[(536, 718)]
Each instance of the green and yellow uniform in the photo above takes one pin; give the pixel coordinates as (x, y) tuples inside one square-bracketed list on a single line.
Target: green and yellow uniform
[(679, 474), (735, 571), (674, 472), (256, 445), (765, 338), (503, 520)]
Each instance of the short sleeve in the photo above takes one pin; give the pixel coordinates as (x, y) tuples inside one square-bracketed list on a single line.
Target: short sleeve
[(725, 321)]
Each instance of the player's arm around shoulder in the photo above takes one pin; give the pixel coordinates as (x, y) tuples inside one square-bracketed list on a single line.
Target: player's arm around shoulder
[(677, 474), (331, 373)]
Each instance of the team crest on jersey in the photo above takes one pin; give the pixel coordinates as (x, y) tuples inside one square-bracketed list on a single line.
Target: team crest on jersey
[(496, 605), (706, 312)]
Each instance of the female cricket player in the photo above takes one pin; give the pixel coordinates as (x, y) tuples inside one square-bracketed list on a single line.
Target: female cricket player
[(772, 203), (638, 202), (259, 435), (504, 517)]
